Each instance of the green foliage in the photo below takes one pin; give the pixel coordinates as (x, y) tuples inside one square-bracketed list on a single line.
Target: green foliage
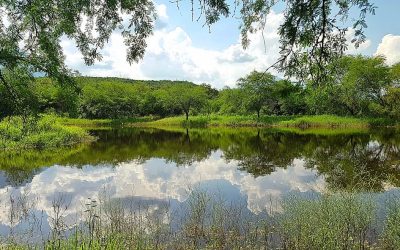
[(257, 91), (185, 98), (391, 235), (357, 86), (31, 32), (45, 132), (363, 87), (328, 121), (340, 221)]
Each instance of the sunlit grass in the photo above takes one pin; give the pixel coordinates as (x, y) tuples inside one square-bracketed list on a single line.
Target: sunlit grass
[(301, 122), (219, 121), (44, 132), (326, 121)]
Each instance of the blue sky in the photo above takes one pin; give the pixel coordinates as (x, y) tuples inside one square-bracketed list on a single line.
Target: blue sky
[(182, 49), (226, 31)]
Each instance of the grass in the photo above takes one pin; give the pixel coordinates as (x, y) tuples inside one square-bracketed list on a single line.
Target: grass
[(207, 221), (218, 121), (300, 122), (39, 133), (325, 121), (102, 123)]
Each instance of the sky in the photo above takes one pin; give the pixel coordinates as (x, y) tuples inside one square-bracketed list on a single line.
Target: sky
[(182, 49)]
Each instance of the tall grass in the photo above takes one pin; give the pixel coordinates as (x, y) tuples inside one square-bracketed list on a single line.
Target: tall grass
[(99, 123), (218, 121), (326, 121), (38, 133), (207, 221), (302, 122)]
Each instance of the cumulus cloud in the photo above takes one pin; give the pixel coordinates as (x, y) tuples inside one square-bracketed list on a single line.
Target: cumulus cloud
[(172, 55), (390, 48)]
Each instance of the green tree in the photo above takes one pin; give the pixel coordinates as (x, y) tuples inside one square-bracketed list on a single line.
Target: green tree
[(395, 73), (31, 32), (230, 101), (186, 97), (257, 90), (288, 98), (30, 39), (356, 86)]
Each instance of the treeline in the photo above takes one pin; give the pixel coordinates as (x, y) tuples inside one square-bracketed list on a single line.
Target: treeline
[(357, 86)]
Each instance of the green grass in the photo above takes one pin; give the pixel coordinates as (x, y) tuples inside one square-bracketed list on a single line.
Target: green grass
[(86, 123), (102, 123), (39, 133), (300, 122), (325, 121), (218, 121)]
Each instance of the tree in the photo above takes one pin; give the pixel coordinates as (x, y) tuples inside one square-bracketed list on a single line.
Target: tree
[(257, 90), (395, 74), (364, 83), (30, 39), (312, 35), (31, 35), (186, 97), (288, 98), (230, 101)]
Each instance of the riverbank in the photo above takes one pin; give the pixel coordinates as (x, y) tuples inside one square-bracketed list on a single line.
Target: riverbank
[(17, 133), (301, 122), (50, 131)]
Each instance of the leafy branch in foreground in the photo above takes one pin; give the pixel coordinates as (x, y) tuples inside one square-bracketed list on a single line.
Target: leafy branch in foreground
[(312, 35), (31, 33)]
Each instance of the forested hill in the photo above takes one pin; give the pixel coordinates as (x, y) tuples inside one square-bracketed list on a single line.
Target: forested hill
[(100, 80), (358, 86)]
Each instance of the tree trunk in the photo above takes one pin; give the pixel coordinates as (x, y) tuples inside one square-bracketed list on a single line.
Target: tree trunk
[(258, 114), (187, 115)]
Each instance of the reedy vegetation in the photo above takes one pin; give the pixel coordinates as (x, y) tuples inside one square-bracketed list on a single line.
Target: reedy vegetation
[(207, 221)]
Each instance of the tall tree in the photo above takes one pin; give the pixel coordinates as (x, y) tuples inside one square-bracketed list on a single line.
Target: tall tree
[(186, 97), (257, 90)]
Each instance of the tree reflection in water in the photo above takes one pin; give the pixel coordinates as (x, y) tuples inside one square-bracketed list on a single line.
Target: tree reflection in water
[(362, 161)]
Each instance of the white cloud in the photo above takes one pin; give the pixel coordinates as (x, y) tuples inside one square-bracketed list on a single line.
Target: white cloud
[(390, 48), (162, 12), (171, 55), (351, 49)]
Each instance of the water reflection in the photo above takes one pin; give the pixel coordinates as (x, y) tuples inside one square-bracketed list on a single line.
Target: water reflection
[(347, 161), (256, 166)]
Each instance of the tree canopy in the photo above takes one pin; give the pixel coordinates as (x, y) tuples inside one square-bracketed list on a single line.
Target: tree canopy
[(31, 31)]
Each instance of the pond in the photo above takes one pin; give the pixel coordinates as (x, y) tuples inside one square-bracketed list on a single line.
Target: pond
[(152, 167)]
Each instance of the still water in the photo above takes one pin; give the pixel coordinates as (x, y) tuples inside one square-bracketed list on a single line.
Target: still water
[(256, 167)]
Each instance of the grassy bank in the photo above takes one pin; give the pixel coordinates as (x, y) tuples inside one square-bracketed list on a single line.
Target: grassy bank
[(302, 122), (103, 123), (39, 133), (218, 121), (207, 221)]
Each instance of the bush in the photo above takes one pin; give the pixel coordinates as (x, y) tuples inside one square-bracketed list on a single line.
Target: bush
[(42, 132)]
